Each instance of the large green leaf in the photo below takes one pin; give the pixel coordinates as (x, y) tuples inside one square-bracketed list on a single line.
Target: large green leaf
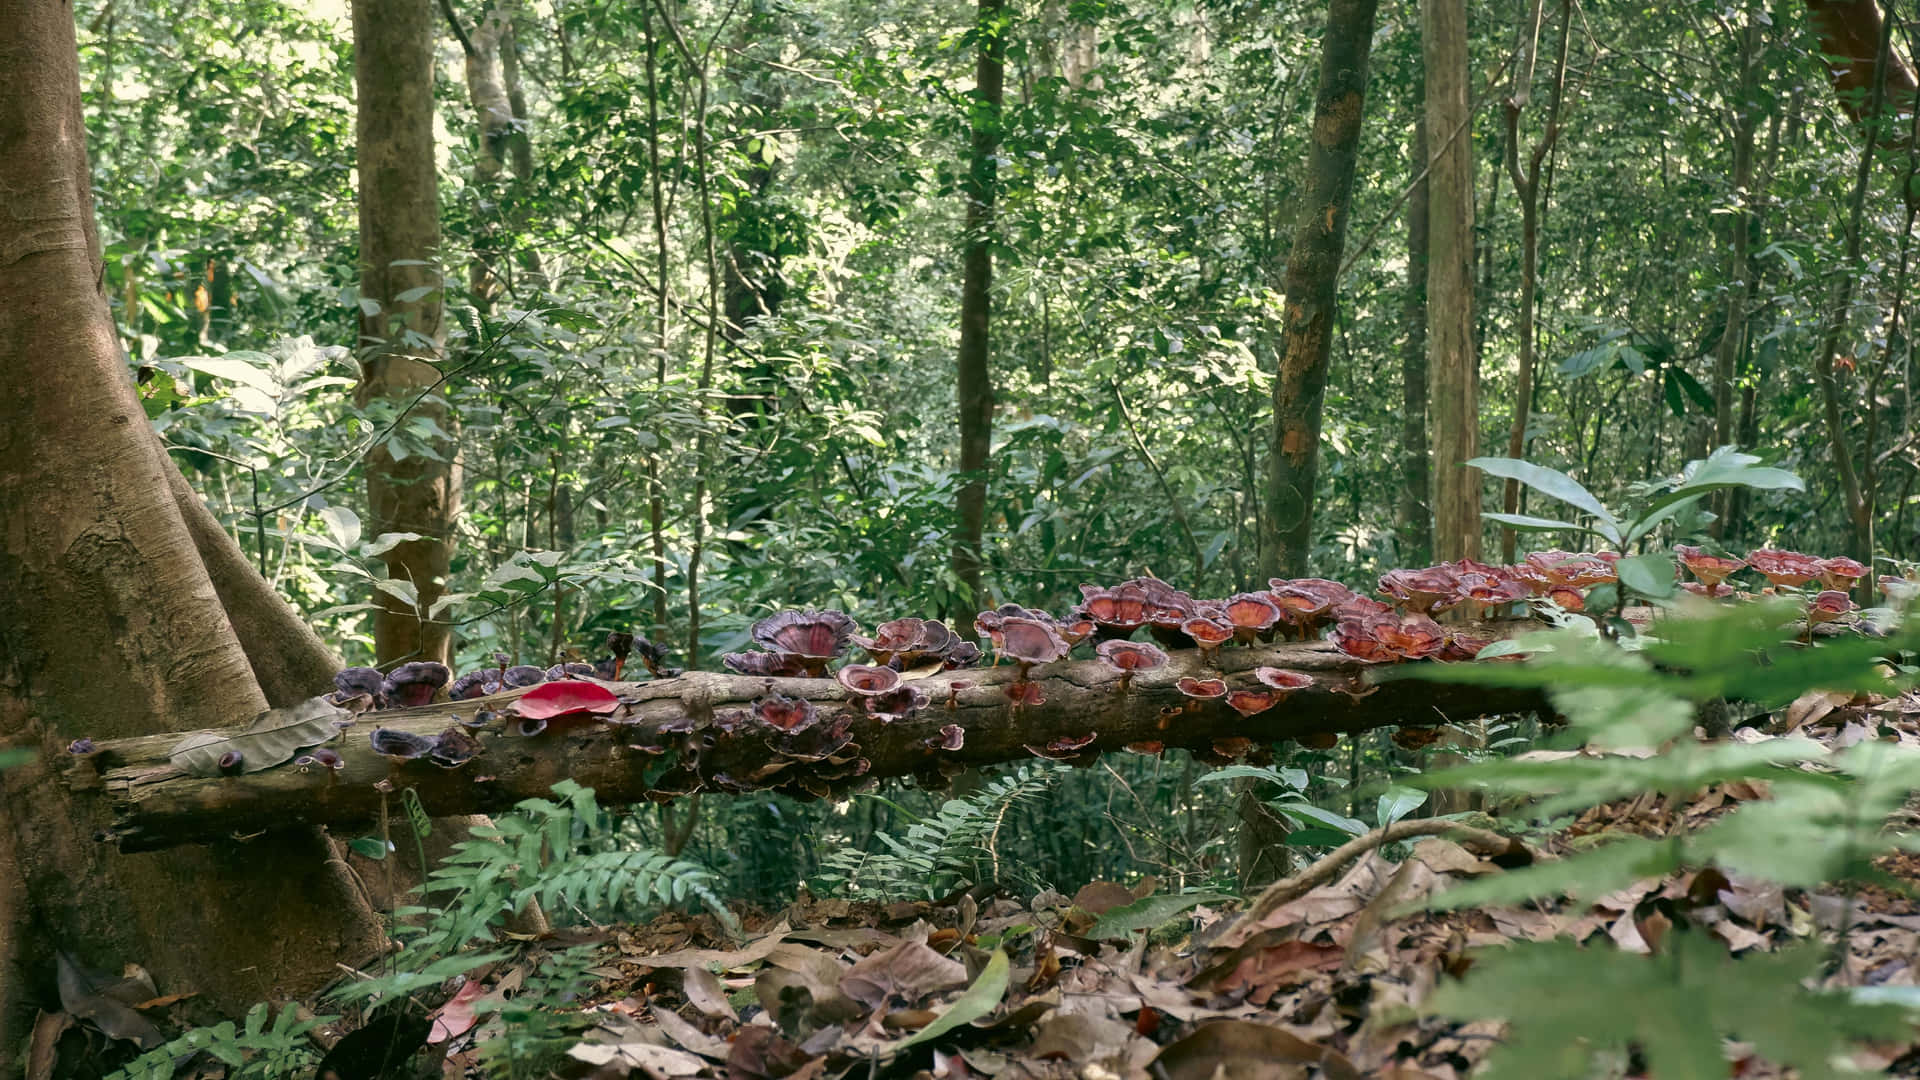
[(1725, 468), (977, 1001), (1147, 913), (1552, 483)]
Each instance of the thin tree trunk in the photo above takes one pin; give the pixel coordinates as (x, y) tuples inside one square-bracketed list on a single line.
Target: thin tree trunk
[(975, 383), (417, 489), (1453, 370), (656, 494), (1526, 187), (1313, 273), (110, 623), (1858, 497), (1416, 509), (1726, 357)]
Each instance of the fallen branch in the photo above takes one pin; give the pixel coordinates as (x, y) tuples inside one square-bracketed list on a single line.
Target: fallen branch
[(690, 733), (1484, 841)]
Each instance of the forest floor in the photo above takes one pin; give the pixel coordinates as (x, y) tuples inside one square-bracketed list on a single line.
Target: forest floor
[(1329, 984), (1118, 982)]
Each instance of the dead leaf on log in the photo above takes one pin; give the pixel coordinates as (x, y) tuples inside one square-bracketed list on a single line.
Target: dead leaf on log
[(273, 737)]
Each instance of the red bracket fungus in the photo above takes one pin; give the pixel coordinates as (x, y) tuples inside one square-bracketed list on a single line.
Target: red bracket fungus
[(816, 637), (1208, 635), (1129, 658), (1281, 680), (1252, 702), (1252, 616), (1840, 573), (867, 680)]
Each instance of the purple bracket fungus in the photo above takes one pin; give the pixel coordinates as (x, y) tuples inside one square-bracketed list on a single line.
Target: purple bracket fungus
[(908, 643), (653, 657), (1282, 681), (1208, 635), (399, 745), (784, 714), (619, 646), (233, 761), (817, 637), (522, 675), (570, 670), (82, 746), (896, 704), (1839, 573), (528, 726), (1252, 616), (1307, 603), (475, 684), (1022, 694), (358, 681), (950, 737), (1129, 658), (453, 748), (767, 665), (964, 654), (412, 685), (953, 693), (867, 680), (1251, 702), (1418, 591)]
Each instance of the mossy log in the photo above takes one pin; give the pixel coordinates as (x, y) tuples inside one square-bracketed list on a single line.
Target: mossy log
[(692, 732)]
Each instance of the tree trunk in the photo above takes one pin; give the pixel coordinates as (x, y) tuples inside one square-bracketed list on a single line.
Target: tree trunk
[(1453, 368), (975, 384), (413, 483), (1416, 508), (695, 732), (1313, 275), (1726, 357), (1850, 33), (1526, 188), (110, 622), (499, 127)]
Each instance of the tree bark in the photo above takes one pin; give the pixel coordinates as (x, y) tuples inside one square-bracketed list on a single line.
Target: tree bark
[(413, 483), (1726, 357), (1313, 276), (1526, 188), (974, 392), (1453, 368), (110, 620), (153, 805), (1416, 505), (1850, 32)]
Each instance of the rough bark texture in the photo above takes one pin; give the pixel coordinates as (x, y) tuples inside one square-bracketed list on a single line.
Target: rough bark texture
[(415, 490), (153, 806), (1313, 274), (289, 661), (975, 384), (1453, 368), (494, 116), (1526, 188), (1416, 468), (110, 622), (1850, 33)]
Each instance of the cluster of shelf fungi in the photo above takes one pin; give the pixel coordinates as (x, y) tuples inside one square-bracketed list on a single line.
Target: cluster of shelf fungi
[(818, 708)]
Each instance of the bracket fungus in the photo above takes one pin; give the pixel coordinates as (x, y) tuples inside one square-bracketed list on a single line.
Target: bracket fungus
[(1130, 658), (1252, 616), (867, 680), (817, 637), (414, 684)]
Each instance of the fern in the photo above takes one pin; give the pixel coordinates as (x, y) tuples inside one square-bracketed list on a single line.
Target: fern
[(564, 855), (935, 855), (254, 1049)]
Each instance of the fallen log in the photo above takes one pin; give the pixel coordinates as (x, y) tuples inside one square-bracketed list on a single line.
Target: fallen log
[(697, 731)]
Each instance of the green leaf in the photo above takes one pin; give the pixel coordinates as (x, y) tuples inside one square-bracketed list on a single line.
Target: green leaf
[(1529, 523), (978, 1000), (1570, 1005), (1147, 913), (400, 589), (343, 526), (1554, 484), (272, 737), (1319, 816), (1397, 802), (1650, 575), (370, 847)]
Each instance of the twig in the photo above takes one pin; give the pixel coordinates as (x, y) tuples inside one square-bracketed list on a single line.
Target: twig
[(1292, 888), (1173, 501)]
